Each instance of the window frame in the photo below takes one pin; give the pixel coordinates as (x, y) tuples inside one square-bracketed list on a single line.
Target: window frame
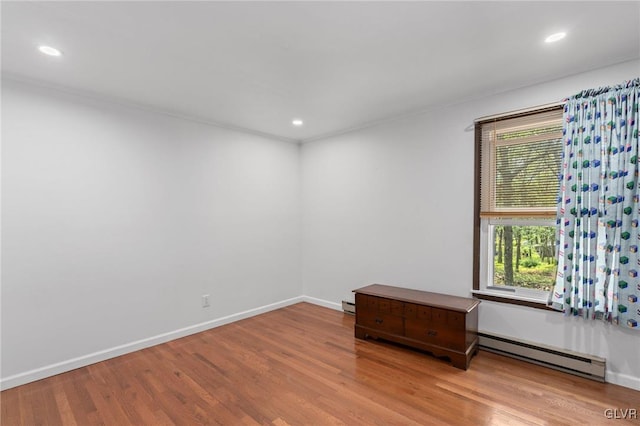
[(480, 256)]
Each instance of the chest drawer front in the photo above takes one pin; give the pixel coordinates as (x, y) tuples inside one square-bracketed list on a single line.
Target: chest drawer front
[(435, 334), (379, 304), (397, 308), (423, 313), (362, 302), (450, 338), (384, 305), (455, 320), (420, 330), (365, 306), (410, 310), (372, 303), (438, 316), (383, 322)]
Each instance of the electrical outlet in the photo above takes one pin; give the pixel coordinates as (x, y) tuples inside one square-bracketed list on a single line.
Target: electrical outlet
[(205, 301)]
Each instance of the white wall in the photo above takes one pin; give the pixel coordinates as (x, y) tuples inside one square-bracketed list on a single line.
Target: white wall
[(393, 204), (116, 220)]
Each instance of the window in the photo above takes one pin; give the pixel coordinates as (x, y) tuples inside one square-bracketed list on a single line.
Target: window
[(517, 166)]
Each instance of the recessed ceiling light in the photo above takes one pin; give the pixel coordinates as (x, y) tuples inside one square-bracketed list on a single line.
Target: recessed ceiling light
[(297, 122), (48, 50), (555, 37)]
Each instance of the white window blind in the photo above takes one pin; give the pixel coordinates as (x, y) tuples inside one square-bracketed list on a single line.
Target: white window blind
[(519, 165)]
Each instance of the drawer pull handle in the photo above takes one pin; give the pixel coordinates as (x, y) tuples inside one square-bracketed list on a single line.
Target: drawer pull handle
[(378, 321), (432, 333)]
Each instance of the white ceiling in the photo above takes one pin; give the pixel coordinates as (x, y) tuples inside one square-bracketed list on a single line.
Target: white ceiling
[(336, 65)]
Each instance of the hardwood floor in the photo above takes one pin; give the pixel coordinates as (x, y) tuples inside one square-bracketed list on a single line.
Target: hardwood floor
[(301, 365)]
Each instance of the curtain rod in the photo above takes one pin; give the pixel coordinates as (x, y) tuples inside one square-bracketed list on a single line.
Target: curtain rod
[(600, 90), (519, 111)]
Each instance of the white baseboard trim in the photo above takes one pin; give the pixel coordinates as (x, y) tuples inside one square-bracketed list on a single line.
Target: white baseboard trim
[(623, 380), (83, 361), (322, 302)]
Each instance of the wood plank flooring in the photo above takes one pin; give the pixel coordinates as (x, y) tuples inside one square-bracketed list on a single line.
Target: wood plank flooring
[(301, 365)]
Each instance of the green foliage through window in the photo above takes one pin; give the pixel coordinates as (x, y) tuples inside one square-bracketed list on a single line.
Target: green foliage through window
[(524, 256)]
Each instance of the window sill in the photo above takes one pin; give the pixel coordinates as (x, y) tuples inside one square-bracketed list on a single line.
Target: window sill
[(512, 299)]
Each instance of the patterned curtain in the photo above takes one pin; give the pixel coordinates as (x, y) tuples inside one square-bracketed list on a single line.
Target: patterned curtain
[(598, 207)]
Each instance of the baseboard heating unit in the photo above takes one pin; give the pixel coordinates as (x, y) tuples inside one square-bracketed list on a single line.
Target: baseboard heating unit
[(349, 307), (590, 367)]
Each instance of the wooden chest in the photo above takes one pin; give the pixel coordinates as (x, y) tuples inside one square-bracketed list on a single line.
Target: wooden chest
[(441, 324)]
